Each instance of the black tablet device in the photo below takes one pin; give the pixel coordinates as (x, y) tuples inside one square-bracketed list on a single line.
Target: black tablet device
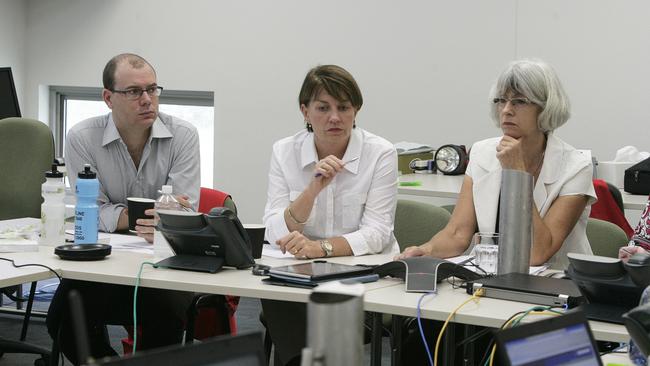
[(319, 271)]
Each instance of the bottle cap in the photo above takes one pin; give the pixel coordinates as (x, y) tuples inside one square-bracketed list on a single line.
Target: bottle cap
[(87, 173), (166, 189), (54, 173)]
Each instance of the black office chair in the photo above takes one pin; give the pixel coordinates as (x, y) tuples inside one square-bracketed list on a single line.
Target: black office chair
[(27, 150)]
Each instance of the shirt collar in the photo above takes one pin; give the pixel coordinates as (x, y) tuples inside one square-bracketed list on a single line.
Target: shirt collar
[(309, 156), (158, 130)]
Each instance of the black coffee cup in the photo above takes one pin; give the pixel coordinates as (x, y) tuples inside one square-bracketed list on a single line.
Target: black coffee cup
[(137, 206), (256, 234)]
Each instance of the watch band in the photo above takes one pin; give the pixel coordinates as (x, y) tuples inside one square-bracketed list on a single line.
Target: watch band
[(327, 248)]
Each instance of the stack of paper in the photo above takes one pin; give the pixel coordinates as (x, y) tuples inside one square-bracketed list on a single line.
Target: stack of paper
[(19, 235)]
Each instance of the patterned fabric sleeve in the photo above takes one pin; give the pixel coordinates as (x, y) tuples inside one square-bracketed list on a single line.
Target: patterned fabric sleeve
[(643, 228)]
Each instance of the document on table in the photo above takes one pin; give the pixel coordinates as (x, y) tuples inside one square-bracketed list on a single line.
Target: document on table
[(274, 251), (120, 241)]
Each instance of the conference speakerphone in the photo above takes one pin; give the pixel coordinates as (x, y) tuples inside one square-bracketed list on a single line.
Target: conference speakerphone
[(528, 288)]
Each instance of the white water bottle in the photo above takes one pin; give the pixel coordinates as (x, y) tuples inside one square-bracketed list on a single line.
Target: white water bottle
[(166, 201), (53, 209)]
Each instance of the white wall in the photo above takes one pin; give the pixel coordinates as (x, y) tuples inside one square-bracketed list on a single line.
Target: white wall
[(425, 67), (13, 27)]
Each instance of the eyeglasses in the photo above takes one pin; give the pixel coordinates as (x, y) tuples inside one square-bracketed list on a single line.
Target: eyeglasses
[(136, 93), (516, 103)]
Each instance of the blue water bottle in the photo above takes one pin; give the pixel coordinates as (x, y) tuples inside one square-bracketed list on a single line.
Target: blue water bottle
[(86, 222)]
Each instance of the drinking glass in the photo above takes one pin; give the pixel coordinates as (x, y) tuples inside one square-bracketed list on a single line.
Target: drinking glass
[(486, 251)]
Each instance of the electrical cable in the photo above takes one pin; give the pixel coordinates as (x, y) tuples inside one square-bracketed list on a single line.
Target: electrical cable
[(31, 265), (477, 294), (424, 339), (536, 310), (135, 299)]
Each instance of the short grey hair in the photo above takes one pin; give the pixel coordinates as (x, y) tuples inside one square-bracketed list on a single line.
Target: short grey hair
[(537, 81)]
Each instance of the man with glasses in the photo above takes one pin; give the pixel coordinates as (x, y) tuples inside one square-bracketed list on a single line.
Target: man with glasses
[(135, 150)]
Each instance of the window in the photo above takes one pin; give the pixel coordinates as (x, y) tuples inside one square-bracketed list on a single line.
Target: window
[(70, 105)]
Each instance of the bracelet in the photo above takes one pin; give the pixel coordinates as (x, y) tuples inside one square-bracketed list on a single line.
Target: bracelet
[(293, 218)]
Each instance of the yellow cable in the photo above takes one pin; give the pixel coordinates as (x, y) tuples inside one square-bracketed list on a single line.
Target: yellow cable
[(478, 293)]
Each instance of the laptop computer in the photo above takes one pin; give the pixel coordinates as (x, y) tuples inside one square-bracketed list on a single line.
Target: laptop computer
[(244, 349), (533, 289), (563, 340)]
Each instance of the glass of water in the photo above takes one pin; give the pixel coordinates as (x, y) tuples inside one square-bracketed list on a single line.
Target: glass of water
[(486, 251)]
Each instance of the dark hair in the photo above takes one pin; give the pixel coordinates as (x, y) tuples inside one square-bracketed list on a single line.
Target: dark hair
[(108, 76), (335, 80)]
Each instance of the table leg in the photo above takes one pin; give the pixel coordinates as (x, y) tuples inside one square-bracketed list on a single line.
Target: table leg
[(375, 343), (449, 345), (396, 340), (28, 311)]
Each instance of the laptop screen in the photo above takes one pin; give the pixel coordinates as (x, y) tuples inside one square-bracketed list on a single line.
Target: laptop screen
[(565, 340)]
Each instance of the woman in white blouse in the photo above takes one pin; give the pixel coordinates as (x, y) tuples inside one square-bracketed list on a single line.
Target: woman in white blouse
[(332, 186), (529, 103), (332, 192)]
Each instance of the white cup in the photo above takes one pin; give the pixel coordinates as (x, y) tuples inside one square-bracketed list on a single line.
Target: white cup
[(486, 252)]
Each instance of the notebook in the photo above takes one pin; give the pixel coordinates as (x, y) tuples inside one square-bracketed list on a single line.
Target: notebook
[(563, 340)]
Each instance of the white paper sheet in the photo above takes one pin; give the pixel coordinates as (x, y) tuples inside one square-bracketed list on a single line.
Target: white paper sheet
[(274, 251)]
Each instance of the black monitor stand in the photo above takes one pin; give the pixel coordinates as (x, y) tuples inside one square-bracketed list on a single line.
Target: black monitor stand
[(195, 263)]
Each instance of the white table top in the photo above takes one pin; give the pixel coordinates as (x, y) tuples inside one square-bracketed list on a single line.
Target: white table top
[(486, 312), (448, 186), (10, 276), (121, 267), (384, 296)]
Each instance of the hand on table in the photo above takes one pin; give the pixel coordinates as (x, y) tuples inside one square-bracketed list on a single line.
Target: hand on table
[(300, 246), (409, 252), (144, 227), (624, 253)]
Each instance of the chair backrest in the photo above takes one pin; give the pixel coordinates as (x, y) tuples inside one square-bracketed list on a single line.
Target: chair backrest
[(449, 208), (417, 222), (605, 238), (26, 152), (210, 198), (616, 194)]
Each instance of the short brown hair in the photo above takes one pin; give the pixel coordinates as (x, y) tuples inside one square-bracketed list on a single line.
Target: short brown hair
[(335, 80), (137, 62)]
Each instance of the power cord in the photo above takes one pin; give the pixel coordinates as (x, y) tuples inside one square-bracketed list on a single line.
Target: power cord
[(419, 319), (31, 265), (135, 301), (477, 294), (513, 321)]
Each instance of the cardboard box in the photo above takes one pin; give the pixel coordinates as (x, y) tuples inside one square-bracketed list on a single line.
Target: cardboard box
[(404, 159)]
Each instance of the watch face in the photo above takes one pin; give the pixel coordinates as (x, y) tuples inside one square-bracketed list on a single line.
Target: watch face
[(447, 159)]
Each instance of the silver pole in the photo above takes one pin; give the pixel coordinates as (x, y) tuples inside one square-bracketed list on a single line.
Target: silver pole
[(335, 325), (515, 221)]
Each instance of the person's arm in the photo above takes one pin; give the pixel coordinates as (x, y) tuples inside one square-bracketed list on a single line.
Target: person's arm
[(455, 238), (283, 216), (376, 224), (375, 231), (185, 173), (184, 176), (550, 232), (112, 216)]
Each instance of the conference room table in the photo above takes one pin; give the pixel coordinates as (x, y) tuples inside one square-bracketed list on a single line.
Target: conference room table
[(384, 296), (448, 186)]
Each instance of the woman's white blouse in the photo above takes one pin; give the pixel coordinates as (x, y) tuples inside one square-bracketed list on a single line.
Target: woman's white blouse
[(359, 203)]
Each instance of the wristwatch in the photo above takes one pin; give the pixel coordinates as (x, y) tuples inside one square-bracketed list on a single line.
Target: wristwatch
[(327, 248)]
